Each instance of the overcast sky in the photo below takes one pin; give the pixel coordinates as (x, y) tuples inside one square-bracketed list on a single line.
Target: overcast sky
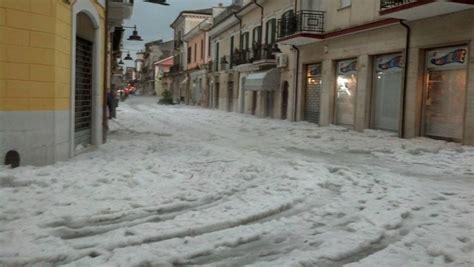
[(153, 21)]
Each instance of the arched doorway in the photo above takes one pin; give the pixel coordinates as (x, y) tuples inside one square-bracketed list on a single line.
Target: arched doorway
[(284, 101), (217, 88), (230, 96), (12, 158), (86, 39), (242, 95), (269, 104)]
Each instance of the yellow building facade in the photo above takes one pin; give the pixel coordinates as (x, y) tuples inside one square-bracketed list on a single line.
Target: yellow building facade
[(51, 59)]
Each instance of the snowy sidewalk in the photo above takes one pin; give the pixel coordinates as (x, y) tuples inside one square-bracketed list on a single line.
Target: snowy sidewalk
[(184, 185)]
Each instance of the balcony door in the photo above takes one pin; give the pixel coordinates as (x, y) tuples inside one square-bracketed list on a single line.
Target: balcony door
[(288, 23)]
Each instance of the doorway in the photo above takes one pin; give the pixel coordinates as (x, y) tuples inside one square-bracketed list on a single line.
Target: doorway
[(445, 93), (83, 93), (242, 95), (217, 87), (253, 111), (269, 104), (284, 101), (312, 96), (386, 100), (346, 92), (230, 96)]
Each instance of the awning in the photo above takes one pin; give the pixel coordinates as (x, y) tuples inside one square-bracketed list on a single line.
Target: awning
[(263, 81)]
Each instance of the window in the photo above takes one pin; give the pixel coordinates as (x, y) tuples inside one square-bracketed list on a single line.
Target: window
[(288, 23), (257, 42), (217, 57), (195, 51), (270, 31), (189, 54), (244, 41), (345, 3), (257, 35), (202, 49), (209, 46), (231, 51)]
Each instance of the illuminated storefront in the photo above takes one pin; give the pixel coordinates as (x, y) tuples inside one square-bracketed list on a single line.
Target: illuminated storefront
[(346, 92), (445, 92)]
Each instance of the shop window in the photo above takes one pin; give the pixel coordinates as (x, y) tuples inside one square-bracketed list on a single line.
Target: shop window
[(387, 92), (445, 92), (346, 92)]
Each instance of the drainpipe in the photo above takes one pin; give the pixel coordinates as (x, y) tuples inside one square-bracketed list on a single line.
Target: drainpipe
[(261, 23), (405, 78), (105, 125), (295, 104), (296, 5)]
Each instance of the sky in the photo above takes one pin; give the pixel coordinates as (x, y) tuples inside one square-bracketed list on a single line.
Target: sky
[(153, 21)]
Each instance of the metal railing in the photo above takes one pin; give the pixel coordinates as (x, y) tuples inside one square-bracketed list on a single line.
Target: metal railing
[(256, 53), (210, 66), (386, 4), (302, 21), (130, 2), (175, 68)]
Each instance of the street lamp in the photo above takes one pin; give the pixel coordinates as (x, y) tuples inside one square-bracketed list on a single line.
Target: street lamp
[(134, 36), (128, 57), (121, 62), (159, 2)]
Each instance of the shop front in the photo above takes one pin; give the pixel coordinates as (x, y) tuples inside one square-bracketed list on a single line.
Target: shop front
[(387, 90), (445, 93), (346, 89), (312, 96), (262, 84)]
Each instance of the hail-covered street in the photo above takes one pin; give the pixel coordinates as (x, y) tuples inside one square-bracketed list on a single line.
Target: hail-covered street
[(182, 185)]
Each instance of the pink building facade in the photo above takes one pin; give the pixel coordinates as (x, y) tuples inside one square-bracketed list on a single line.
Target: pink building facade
[(162, 67)]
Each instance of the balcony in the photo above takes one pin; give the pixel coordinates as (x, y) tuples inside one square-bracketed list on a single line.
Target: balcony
[(210, 66), (119, 10), (302, 28), (175, 69), (257, 56), (420, 9)]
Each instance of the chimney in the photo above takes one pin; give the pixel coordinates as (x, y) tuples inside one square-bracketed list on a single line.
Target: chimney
[(221, 5)]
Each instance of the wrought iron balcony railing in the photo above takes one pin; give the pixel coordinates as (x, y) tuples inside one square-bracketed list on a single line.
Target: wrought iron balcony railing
[(386, 4), (302, 21), (210, 66), (129, 2), (175, 68), (257, 53)]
